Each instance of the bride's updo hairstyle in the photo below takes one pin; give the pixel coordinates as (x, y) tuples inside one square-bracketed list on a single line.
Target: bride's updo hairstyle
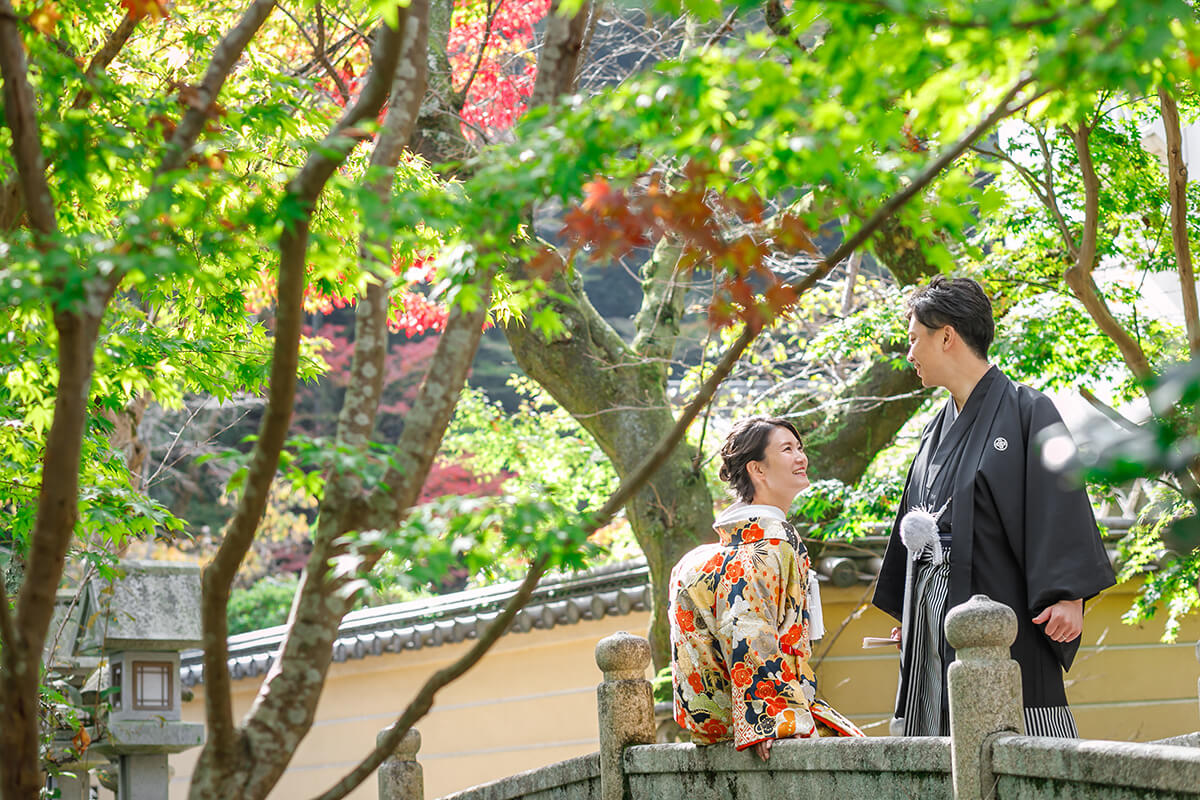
[(748, 442)]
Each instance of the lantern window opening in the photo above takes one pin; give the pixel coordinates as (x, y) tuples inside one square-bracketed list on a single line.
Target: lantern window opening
[(152, 685), (117, 669)]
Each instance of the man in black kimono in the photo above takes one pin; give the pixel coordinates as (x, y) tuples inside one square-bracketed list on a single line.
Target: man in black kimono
[(1005, 525)]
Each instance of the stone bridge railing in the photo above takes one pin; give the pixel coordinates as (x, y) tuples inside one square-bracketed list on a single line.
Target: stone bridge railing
[(986, 755)]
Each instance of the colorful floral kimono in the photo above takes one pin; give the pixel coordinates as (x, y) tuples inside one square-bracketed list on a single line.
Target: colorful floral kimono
[(740, 625)]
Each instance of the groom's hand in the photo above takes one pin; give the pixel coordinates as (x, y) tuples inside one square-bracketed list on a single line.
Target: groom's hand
[(1064, 620)]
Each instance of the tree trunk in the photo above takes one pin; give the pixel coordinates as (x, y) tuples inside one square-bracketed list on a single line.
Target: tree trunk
[(619, 395), (881, 396)]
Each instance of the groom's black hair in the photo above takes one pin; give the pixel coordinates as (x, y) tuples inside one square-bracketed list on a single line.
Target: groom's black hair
[(959, 303)]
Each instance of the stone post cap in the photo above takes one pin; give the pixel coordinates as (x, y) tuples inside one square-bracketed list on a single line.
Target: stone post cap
[(408, 747), (622, 656), (981, 622)]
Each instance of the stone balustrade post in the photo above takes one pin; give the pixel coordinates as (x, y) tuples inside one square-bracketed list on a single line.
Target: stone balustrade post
[(400, 776), (625, 705), (985, 689), (1198, 679)]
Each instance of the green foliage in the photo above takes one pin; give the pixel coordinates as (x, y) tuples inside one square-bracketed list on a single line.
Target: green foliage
[(831, 509), (661, 685), (544, 452), (1161, 549), (1165, 543), (488, 536), (262, 605)]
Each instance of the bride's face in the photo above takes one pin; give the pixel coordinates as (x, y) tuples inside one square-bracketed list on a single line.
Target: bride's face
[(783, 472)]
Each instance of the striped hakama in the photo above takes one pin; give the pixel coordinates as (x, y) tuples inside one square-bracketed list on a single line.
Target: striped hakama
[(925, 713)]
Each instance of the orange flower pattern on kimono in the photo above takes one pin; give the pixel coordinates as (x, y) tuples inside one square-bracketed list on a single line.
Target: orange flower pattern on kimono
[(740, 639)]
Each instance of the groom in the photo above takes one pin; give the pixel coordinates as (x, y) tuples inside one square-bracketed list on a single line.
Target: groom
[(1008, 527)]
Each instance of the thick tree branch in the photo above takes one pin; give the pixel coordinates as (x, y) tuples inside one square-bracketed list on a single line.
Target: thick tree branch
[(432, 409), (357, 418), (302, 192), (1104, 408), (1178, 176), (558, 63), (8, 636), (1079, 275), (225, 57), (663, 296), (11, 206), (20, 115), (288, 698), (57, 513), (294, 686)]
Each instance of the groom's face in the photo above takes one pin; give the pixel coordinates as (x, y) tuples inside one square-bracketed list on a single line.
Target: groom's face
[(925, 351)]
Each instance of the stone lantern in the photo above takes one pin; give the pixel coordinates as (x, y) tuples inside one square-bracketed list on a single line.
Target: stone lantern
[(140, 624)]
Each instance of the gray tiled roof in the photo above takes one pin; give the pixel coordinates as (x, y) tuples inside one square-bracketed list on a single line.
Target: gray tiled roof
[(611, 590)]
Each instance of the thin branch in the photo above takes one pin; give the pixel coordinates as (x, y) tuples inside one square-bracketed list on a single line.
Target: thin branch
[(830, 641), (1038, 188), (852, 270), (653, 461), (20, 115), (104, 56), (323, 55), (460, 99), (1178, 176), (318, 46), (722, 29), (346, 41), (225, 57), (162, 464), (1050, 199), (421, 704), (1079, 275), (1107, 410)]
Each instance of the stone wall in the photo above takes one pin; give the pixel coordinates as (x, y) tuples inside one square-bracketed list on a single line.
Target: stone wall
[(877, 769), (574, 779), (1026, 767)]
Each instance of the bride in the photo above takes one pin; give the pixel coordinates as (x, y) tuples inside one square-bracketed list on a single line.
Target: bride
[(744, 611)]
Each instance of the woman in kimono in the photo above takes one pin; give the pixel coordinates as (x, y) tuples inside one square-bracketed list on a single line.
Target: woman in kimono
[(741, 618)]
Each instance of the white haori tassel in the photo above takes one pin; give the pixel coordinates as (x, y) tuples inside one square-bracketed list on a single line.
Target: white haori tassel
[(816, 617), (918, 533)]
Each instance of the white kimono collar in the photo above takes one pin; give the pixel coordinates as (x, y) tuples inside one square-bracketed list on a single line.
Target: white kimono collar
[(739, 512)]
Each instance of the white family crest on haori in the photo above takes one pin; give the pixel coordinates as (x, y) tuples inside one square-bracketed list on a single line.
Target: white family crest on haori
[(1000, 444)]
